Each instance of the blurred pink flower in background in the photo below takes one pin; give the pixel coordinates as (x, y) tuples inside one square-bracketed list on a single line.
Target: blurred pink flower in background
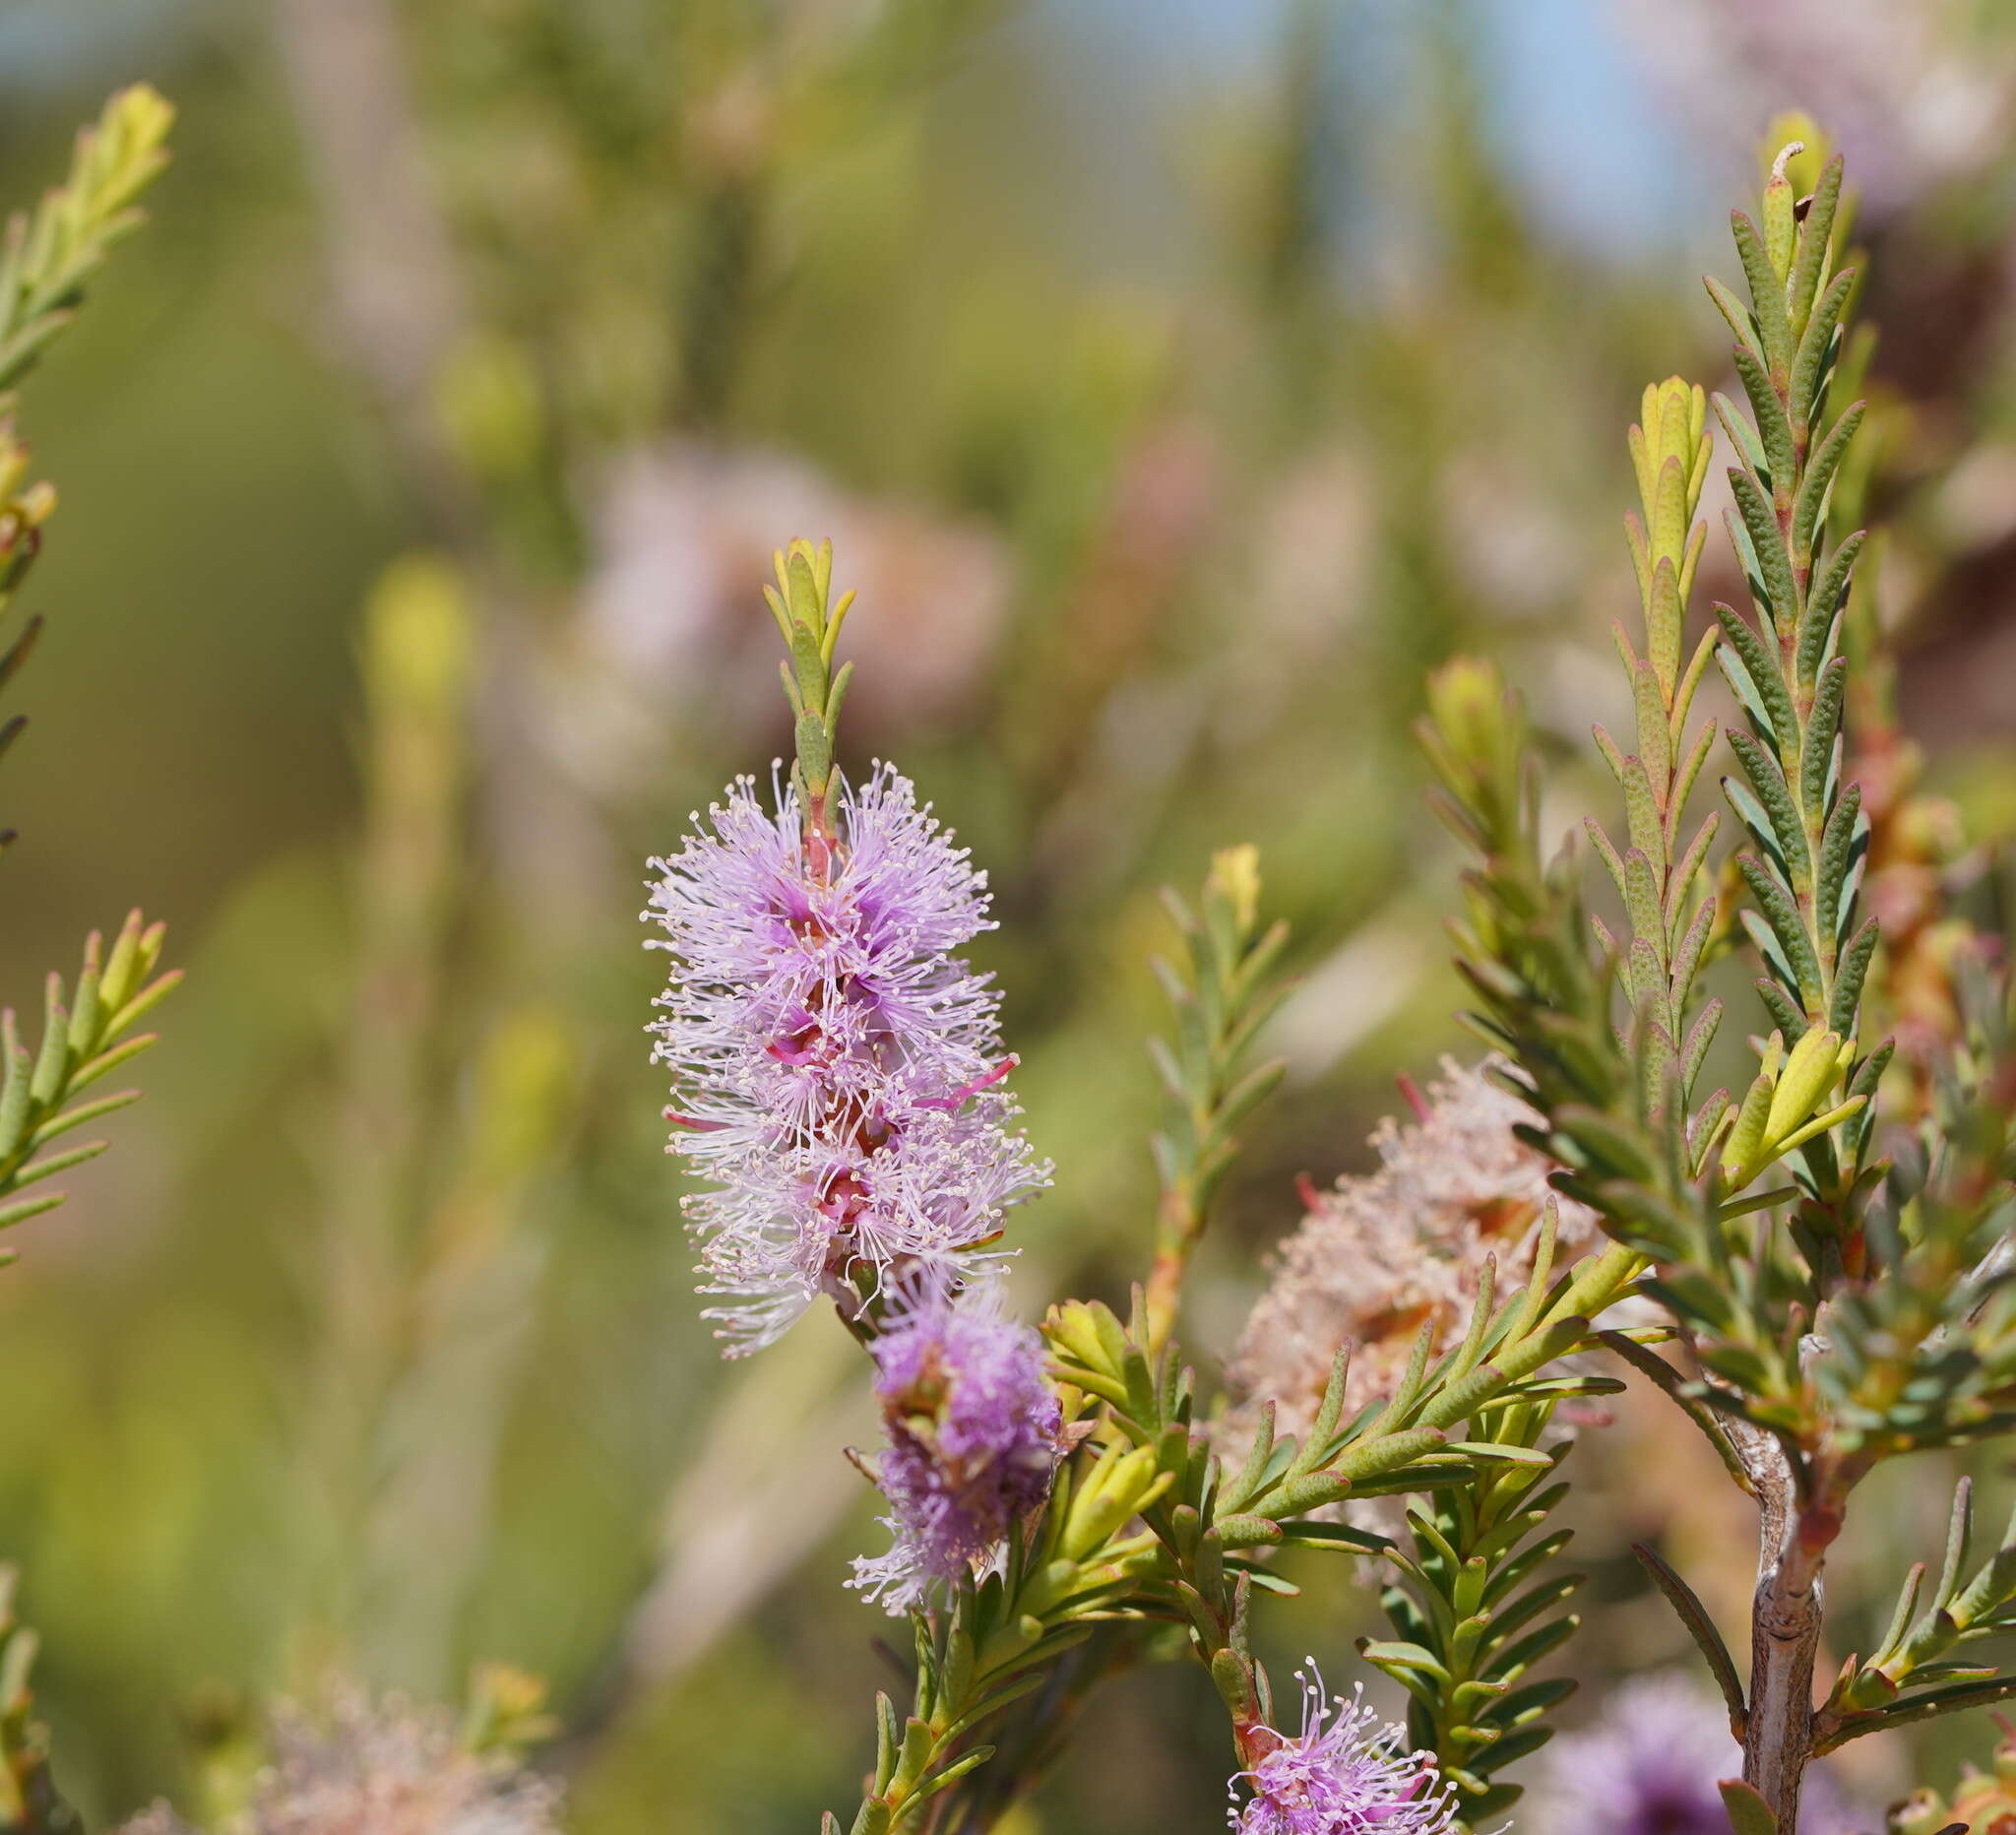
[(672, 616)]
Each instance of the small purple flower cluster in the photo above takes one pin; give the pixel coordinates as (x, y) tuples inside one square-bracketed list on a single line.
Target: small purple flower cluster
[(839, 1068), (975, 1432), (1351, 1775)]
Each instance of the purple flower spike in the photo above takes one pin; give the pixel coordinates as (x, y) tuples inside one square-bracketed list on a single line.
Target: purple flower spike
[(1351, 1774), (838, 1068), (974, 1437)]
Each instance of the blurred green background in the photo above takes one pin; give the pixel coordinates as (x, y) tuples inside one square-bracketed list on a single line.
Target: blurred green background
[(1177, 382)]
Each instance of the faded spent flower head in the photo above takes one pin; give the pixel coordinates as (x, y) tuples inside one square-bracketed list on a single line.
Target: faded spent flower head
[(1383, 1253), (1346, 1775), (837, 1066), (382, 1769), (974, 1435)]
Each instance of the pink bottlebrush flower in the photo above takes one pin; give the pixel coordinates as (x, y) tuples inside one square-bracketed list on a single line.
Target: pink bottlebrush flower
[(837, 1069), (369, 1767), (975, 1432), (1383, 1253), (1351, 1774)]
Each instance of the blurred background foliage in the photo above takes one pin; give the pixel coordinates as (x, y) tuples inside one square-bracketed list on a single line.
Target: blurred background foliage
[(1177, 383)]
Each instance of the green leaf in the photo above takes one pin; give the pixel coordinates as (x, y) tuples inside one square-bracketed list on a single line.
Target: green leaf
[(1701, 1627), (1774, 430), (1732, 310), (1683, 787), (21, 1209), (1641, 899), (1846, 1006), (1767, 296), (1823, 723), (1607, 853), (1953, 1699), (1810, 365), (1664, 614), (1767, 545), (1754, 676), (1823, 604), (1777, 825), (1786, 1012), (1776, 906), (1809, 268), (1655, 741), (1641, 808), (1748, 1813), (1812, 497), (1837, 845)]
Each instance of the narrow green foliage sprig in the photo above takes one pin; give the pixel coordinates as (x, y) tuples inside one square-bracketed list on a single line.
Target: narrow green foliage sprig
[(48, 255), (45, 259), (809, 621), (1657, 871), (1867, 1309), (1921, 1352), (86, 1033), (30, 1802), (1629, 1152), (1783, 661), (1479, 1601), (1223, 992), (1543, 996), (1916, 1671)]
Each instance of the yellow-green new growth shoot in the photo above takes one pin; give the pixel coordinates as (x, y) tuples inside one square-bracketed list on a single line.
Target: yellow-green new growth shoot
[(801, 603)]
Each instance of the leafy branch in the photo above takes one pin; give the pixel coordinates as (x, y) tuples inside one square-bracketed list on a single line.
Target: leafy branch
[(1656, 873), (47, 256), (86, 1035), (1785, 662), (44, 261), (1916, 1651), (1213, 1523), (1476, 1606), (1221, 995), (30, 1804)]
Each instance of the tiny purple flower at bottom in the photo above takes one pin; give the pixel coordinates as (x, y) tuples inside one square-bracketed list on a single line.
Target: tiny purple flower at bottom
[(974, 1432), (1351, 1774), (1649, 1763)]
